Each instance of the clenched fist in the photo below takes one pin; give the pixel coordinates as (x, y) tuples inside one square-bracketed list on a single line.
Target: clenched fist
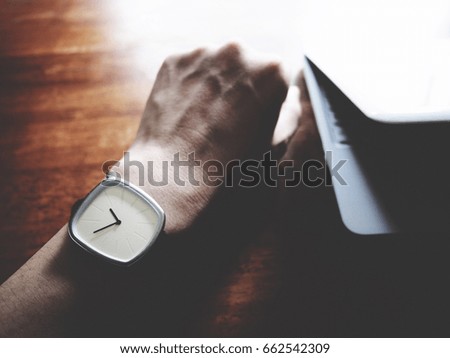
[(212, 105)]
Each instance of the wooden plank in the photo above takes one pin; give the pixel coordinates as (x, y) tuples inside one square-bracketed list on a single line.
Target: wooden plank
[(69, 100)]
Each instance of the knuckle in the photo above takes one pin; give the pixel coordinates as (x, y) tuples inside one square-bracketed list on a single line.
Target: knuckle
[(188, 59), (169, 61), (231, 52), (279, 74), (272, 72), (182, 60), (233, 47)]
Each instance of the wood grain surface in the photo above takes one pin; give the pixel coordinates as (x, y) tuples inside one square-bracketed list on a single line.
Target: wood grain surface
[(72, 89), (68, 102)]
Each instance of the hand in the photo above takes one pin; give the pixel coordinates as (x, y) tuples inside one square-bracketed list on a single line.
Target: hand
[(216, 104)]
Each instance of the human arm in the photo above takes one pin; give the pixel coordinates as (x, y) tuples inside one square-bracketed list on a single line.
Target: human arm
[(217, 104)]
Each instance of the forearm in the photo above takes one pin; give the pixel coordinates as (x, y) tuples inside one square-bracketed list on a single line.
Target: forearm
[(62, 291), (33, 300)]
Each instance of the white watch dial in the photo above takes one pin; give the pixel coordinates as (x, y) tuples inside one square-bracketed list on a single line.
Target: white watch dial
[(117, 221)]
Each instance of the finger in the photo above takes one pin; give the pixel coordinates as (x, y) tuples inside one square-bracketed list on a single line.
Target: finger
[(270, 86), (305, 143), (305, 207), (270, 81), (289, 117), (229, 58)]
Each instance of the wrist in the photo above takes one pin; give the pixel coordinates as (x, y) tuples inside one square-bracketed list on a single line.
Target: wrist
[(170, 178)]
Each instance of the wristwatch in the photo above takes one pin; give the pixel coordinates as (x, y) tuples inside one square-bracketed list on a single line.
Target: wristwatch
[(116, 221)]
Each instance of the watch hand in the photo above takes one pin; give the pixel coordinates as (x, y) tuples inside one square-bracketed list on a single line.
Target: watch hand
[(107, 226), (115, 216)]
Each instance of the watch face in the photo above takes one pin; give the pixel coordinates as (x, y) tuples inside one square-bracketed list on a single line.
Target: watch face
[(117, 221)]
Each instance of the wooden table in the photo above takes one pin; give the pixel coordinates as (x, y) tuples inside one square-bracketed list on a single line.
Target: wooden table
[(73, 85)]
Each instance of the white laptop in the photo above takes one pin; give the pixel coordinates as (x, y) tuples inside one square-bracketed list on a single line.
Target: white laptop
[(379, 80)]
